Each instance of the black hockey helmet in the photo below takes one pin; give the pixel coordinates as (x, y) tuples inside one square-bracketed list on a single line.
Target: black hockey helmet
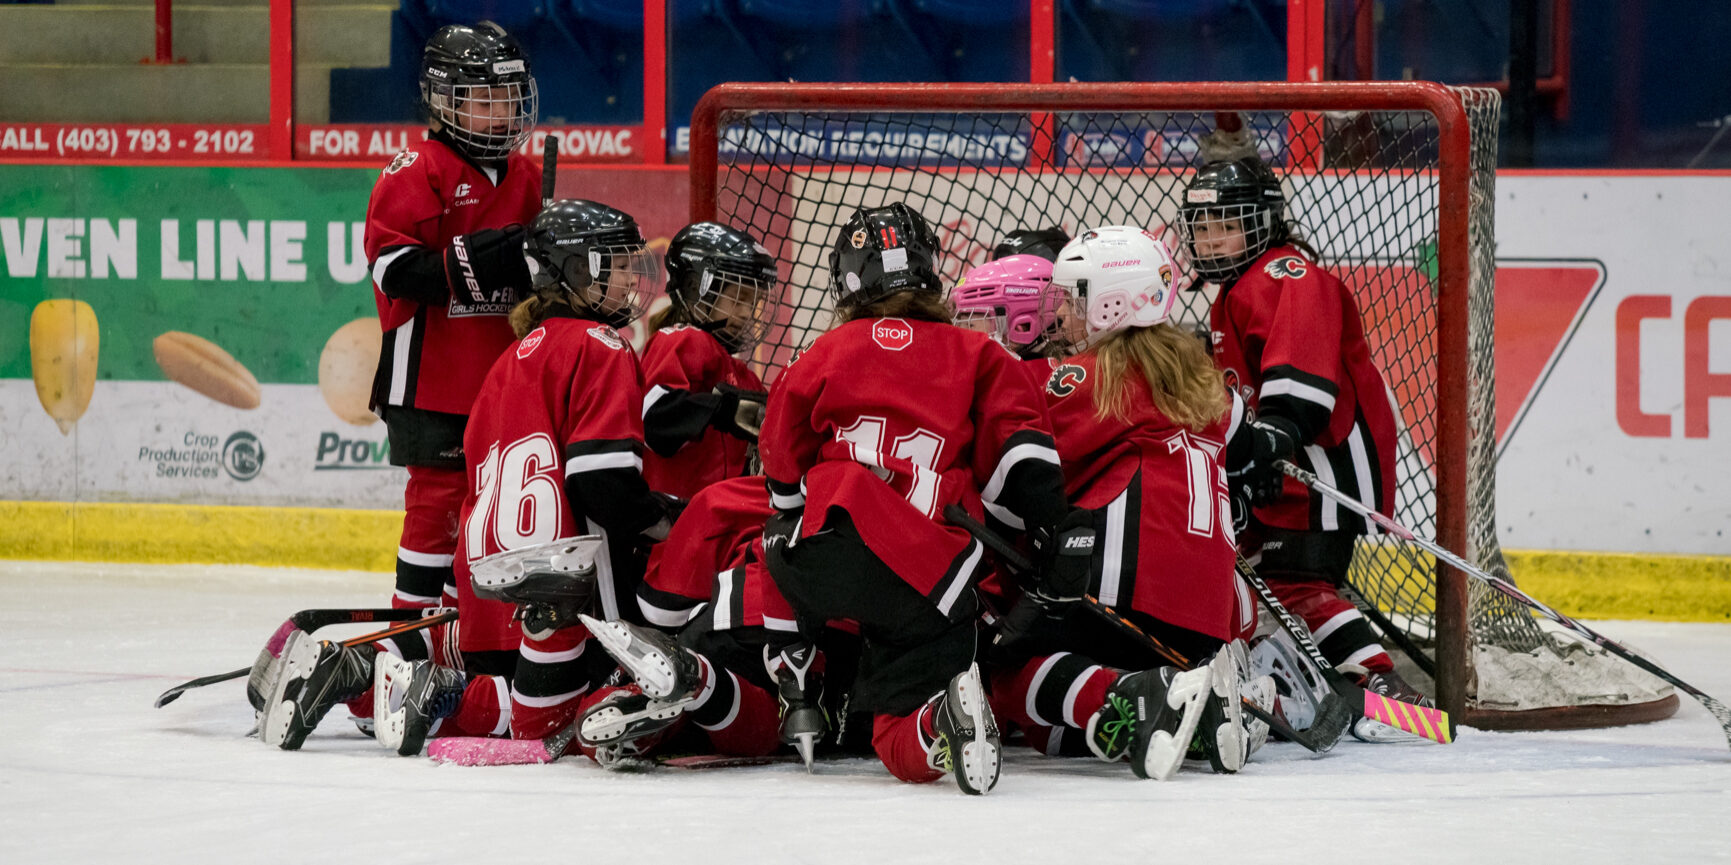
[(476, 82), (882, 251), (706, 260), (1044, 242), (1242, 190), (597, 255)]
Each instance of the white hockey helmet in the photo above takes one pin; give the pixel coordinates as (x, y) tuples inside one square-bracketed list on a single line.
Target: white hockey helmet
[(1122, 275)]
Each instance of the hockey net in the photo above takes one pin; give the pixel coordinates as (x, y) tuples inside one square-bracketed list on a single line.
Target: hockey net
[(1393, 183)]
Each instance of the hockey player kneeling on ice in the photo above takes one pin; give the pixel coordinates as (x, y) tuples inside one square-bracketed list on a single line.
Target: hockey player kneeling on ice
[(561, 408), (709, 582), (885, 420), (1288, 335), (1143, 423)]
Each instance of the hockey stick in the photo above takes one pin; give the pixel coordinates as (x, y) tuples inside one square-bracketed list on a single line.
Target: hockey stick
[(312, 620), (549, 169), (1317, 742), (1508, 589), (1422, 721), (1394, 633)]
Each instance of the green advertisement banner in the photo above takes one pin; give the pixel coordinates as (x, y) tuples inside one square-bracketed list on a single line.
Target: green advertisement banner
[(264, 263)]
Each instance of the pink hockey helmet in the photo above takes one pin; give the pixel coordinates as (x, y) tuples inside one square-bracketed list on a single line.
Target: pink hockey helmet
[(1011, 298)]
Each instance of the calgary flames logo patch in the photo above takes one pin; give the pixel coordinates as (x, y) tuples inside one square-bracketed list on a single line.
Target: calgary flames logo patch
[(1287, 267), (1065, 379)]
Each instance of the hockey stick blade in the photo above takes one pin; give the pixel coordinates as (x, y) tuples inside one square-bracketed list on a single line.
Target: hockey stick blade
[(1513, 593), (174, 693), (411, 620), (1421, 721)]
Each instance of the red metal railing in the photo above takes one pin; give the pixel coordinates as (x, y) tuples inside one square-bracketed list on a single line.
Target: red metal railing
[(281, 141)]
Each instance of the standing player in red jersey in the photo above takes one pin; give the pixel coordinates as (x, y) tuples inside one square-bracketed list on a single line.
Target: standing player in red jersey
[(704, 405), (444, 244), (1288, 335), (444, 239), (880, 424), (1142, 421)]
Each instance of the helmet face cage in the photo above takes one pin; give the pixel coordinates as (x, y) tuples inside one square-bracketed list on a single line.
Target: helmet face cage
[(617, 281), (489, 120), (1255, 223), (731, 305)]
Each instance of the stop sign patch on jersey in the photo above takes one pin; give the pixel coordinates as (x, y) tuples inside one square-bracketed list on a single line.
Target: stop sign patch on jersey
[(892, 333), (528, 344)]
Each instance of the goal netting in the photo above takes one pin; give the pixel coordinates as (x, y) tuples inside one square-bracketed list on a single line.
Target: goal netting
[(1393, 183)]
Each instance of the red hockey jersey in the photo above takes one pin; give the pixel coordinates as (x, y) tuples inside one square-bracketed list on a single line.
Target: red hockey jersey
[(681, 368), (1288, 336), (1166, 544), (715, 555), (435, 355), (562, 403), (892, 420)]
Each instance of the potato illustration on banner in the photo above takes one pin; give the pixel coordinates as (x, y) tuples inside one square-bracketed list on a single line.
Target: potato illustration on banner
[(346, 369), (63, 349), (203, 366)]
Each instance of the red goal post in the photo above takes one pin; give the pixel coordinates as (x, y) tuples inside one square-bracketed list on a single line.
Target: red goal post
[(1393, 181)]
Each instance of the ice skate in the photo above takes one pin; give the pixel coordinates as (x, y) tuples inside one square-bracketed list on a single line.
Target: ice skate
[(658, 665), (1222, 732), (626, 717), (799, 691), (409, 699), (968, 746), (316, 675), (1151, 717)]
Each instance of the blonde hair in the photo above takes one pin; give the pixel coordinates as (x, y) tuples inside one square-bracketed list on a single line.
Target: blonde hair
[(1186, 386), (537, 308)]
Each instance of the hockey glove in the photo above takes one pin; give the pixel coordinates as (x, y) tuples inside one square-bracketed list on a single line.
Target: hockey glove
[(739, 412), (671, 507), (487, 267), (1271, 439), (1066, 559)]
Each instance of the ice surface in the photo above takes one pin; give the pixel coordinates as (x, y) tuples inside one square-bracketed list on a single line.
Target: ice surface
[(89, 772)]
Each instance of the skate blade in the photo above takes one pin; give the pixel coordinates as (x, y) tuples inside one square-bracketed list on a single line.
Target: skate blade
[(980, 760), (652, 671), (806, 744)]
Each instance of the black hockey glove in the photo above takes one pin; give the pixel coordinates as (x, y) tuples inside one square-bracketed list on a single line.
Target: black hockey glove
[(1066, 558), (487, 266), (671, 507), (1271, 439), (1065, 565), (739, 412)]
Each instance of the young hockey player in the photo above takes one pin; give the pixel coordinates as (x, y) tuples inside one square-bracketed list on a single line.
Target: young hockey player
[(1142, 423), (880, 424), (704, 404), (1287, 334), (554, 448), (444, 244)]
